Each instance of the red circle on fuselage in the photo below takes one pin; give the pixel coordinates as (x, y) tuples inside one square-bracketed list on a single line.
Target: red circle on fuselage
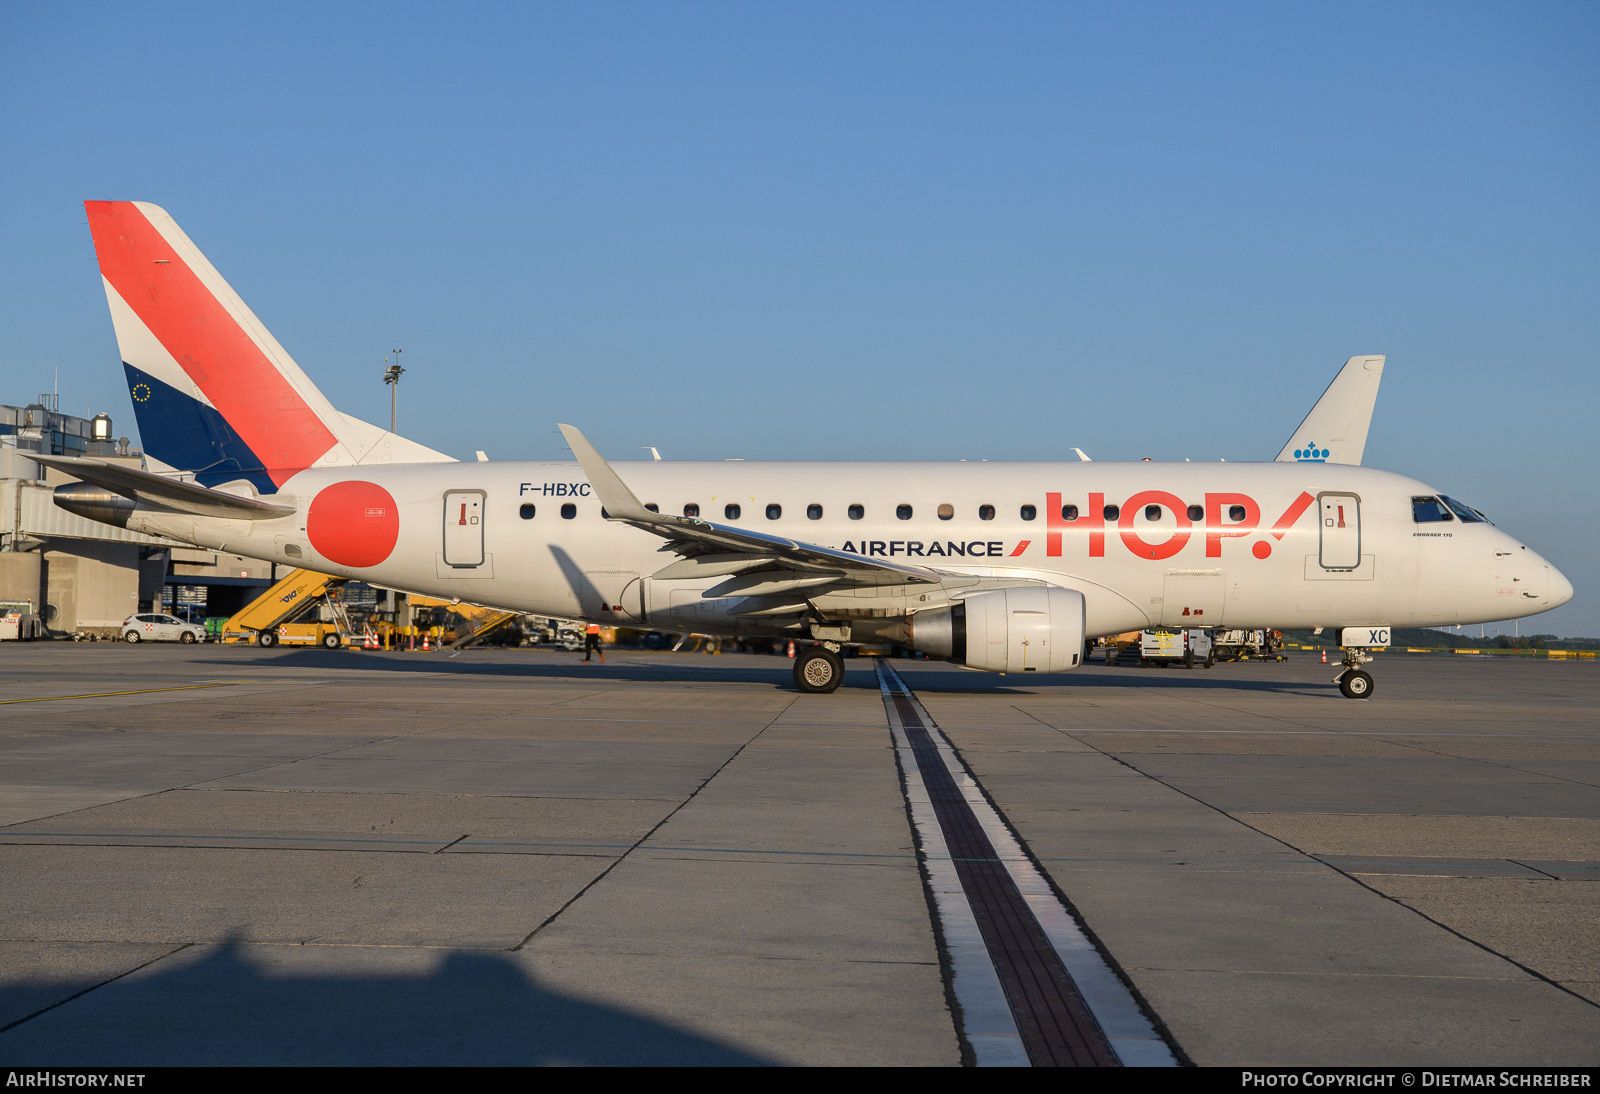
[(354, 523), (1262, 549)]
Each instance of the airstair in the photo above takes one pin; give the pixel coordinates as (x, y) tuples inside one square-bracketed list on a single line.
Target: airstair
[(269, 618), (478, 624)]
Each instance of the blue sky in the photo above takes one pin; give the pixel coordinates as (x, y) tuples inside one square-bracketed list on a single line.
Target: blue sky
[(858, 231)]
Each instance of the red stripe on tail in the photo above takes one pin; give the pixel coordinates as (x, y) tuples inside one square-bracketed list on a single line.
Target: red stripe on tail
[(218, 355)]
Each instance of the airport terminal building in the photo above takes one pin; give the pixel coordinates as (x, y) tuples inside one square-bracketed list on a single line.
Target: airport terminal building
[(82, 577)]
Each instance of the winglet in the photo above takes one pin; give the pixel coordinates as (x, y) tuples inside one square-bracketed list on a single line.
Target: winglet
[(1336, 429), (619, 502)]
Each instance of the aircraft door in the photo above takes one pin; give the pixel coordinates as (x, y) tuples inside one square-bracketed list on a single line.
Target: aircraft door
[(463, 528), (1341, 531)]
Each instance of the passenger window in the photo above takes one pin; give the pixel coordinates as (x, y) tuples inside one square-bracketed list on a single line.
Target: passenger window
[(652, 506), (568, 511), (691, 510), (1152, 512), (1069, 512), (527, 511), (985, 512), (947, 512), (1196, 513), (1235, 512), (1029, 512), (774, 512), (1429, 511), (903, 512), (1112, 512), (813, 512), (857, 512), (731, 512)]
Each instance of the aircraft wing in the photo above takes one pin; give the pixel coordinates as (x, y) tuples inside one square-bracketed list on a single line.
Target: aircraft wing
[(780, 571), (1336, 429), (185, 497)]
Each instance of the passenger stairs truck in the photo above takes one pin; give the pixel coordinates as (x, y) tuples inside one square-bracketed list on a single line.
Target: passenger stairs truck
[(278, 616)]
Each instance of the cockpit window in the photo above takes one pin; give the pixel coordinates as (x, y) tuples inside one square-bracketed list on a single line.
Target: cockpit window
[(1429, 511), (1466, 515)]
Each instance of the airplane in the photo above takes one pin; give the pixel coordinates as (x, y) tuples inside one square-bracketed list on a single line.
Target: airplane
[(1341, 417), (1004, 567)]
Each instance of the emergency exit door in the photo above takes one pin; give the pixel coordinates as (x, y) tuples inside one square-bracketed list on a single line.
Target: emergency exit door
[(1341, 531), (463, 528)]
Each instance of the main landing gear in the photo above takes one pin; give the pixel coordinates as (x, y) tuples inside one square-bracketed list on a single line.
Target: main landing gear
[(1355, 683), (818, 670)]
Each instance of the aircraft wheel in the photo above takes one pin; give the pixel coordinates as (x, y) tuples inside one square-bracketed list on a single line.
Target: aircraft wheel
[(818, 671), (266, 640), (187, 638), (131, 636), (1356, 685), (331, 641)]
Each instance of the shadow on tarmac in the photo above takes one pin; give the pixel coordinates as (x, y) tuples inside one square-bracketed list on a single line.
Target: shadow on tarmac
[(775, 671), (477, 1008)]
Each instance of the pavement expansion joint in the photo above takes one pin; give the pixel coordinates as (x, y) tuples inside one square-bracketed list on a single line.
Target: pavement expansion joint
[(643, 840), (1031, 988)]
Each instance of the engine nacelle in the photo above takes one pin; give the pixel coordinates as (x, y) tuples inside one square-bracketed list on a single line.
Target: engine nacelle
[(1035, 628)]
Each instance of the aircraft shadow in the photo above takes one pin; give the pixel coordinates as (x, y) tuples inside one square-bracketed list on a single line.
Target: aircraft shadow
[(685, 668), (957, 682), (477, 1009), (774, 671)]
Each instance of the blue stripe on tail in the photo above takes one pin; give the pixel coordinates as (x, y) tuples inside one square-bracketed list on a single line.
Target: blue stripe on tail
[(184, 433)]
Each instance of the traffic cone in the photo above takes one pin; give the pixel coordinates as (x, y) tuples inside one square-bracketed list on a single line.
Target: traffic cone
[(424, 641), (791, 647), (1324, 655)]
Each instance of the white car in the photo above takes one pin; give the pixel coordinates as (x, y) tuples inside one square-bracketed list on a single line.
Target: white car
[(160, 628)]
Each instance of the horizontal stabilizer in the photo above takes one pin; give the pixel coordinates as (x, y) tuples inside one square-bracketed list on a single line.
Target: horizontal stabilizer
[(1336, 429), (160, 492)]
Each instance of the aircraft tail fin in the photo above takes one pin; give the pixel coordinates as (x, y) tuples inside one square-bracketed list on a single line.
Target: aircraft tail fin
[(213, 391), (1336, 429)]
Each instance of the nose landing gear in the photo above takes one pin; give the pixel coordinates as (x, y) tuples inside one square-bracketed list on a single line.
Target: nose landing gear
[(1353, 681)]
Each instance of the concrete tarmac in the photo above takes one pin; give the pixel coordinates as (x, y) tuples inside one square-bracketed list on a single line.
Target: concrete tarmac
[(230, 855)]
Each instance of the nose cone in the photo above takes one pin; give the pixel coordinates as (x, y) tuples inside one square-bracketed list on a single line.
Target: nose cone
[(1560, 587)]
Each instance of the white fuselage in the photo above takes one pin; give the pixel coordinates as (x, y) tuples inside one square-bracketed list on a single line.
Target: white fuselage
[(1274, 568)]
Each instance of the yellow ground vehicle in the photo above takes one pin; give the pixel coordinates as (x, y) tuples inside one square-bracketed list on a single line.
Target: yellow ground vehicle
[(463, 624), (273, 618)]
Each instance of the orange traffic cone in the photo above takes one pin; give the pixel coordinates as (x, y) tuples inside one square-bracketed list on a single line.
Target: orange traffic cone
[(424, 641), (791, 647), (1324, 655)]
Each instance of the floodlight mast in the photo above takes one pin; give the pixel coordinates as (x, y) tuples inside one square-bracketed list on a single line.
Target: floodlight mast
[(391, 375)]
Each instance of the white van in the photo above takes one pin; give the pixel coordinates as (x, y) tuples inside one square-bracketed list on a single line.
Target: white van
[(1189, 647)]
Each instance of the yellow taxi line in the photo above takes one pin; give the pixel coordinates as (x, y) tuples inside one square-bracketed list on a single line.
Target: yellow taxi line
[(107, 694)]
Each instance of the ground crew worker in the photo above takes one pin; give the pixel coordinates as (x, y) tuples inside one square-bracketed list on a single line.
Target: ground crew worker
[(591, 643)]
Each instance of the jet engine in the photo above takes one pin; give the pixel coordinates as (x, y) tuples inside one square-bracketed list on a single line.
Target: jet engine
[(1033, 628)]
